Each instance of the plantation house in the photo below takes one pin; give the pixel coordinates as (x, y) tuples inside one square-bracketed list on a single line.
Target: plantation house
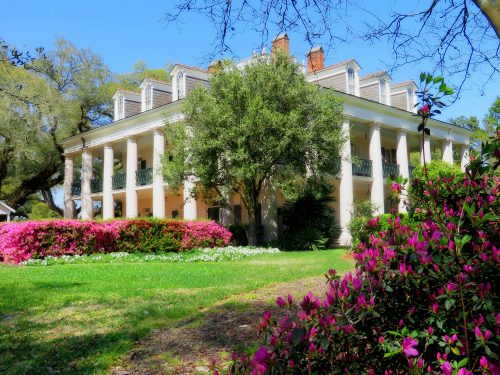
[(379, 121)]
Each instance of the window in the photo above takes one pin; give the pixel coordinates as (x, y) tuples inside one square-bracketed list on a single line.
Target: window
[(350, 80), (180, 86), (141, 164), (121, 107), (175, 214), (410, 100), (383, 91), (148, 97)]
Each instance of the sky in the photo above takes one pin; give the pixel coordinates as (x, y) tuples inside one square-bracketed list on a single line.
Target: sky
[(124, 32)]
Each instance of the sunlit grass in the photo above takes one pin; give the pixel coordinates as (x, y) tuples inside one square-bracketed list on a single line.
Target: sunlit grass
[(81, 318)]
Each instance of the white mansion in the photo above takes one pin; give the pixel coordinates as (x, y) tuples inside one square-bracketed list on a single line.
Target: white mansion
[(380, 124)]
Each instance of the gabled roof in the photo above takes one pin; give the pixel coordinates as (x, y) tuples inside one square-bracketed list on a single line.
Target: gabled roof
[(404, 84), (379, 73)]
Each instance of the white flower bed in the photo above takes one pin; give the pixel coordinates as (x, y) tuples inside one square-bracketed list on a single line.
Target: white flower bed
[(217, 254)]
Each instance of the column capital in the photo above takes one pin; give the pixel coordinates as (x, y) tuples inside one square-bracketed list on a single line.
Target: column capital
[(132, 138), (158, 131), (402, 131), (108, 146), (375, 125)]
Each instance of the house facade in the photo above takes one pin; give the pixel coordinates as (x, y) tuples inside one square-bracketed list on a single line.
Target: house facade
[(379, 124)]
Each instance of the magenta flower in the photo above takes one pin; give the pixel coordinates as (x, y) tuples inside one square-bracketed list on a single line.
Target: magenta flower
[(446, 367), (409, 345)]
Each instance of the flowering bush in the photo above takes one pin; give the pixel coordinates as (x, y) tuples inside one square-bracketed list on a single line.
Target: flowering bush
[(423, 299), (39, 239)]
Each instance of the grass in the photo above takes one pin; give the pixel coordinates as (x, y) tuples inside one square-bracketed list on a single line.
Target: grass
[(82, 318)]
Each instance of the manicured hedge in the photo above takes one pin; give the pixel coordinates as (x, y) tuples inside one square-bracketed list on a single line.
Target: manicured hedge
[(38, 239)]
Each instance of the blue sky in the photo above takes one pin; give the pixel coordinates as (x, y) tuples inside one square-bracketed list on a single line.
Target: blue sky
[(125, 32)]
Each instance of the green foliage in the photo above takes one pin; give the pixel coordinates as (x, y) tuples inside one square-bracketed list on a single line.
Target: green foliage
[(310, 220), (436, 171), (55, 95), (362, 213), (140, 72), (40, 210), (259, 124)]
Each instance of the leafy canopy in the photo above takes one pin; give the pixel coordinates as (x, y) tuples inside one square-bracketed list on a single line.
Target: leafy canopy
[(256, 123)]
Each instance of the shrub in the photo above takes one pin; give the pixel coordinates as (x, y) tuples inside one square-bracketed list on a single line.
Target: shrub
[(420, 301), (39, 239), (424, 297), (310, 220), (364, 211)]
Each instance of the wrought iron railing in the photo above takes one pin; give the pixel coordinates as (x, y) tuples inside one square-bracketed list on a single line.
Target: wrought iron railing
[(362, 168), (76, 188), (119, 181), (391, 169), (144, 176), (96, 185)]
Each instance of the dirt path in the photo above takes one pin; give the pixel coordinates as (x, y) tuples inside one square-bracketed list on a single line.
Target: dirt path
[(187, 347)]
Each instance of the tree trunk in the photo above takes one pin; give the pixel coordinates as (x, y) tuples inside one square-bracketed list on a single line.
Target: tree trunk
[(254, 218), (491, 10)]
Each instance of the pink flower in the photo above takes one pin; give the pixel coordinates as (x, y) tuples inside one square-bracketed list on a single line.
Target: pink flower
[(408, 346), (483, 362), (446, 367)]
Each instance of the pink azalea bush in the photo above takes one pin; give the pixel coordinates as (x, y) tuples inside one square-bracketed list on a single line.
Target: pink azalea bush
[(424, 298), (38, 239)]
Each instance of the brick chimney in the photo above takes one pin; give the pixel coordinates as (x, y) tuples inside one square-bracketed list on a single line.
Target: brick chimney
[(281, 43), (315, 60), (214, 66)]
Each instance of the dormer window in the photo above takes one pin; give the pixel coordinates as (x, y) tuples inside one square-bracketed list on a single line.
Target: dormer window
[(148, 97), (350, 81), (121, 107), (181, 93), (383, 91), (411, 103)]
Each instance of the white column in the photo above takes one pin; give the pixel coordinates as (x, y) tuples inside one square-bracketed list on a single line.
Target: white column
[(346, 190), (447, 151), (69, 204), (108, 208), (464, 156), (190, 209), (130, 193), (377, 191), (8, 217), (158, 189), (425, 149), (402, 160), (87, 207), (269, 211)]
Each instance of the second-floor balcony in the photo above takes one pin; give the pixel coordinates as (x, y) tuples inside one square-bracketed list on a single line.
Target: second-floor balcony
[(119, 181), (362, 168), (144, 176), (390, 169)]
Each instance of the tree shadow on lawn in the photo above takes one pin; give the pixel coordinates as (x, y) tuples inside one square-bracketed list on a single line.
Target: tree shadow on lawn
[(188, 346)]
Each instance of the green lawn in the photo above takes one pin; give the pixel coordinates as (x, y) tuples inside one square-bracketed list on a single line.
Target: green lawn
[(81, 318)]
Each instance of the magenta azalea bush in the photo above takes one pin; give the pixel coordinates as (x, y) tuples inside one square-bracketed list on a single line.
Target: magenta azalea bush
[(38, 239), (424, 298), (421, 301)]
